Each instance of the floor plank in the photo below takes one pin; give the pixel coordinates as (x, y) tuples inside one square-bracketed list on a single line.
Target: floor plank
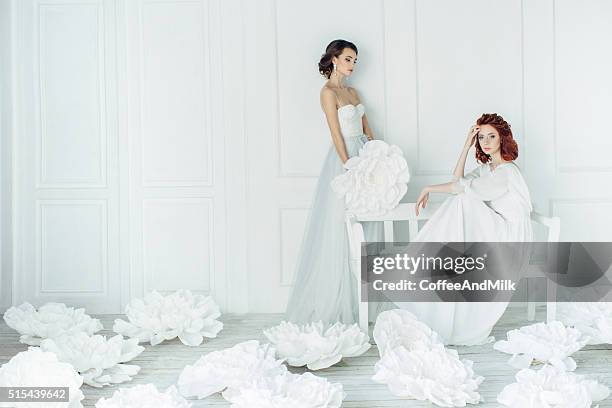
[(162, 364)]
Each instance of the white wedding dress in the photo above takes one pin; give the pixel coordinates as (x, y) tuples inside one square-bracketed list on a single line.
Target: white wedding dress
[(324, 287), (487, 206)]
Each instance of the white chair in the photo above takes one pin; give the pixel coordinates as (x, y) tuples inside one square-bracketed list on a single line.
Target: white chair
[(405, 212)]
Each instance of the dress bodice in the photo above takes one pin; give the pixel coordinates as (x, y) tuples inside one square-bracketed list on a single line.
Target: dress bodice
[(350, 120)]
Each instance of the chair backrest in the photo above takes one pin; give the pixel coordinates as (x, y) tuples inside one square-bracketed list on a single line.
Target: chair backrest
[(406, 212)]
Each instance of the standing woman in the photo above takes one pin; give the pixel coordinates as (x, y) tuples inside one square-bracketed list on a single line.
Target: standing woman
[(324, 288)]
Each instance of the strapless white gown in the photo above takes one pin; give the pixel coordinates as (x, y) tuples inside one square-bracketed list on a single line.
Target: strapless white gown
[(324, 287)]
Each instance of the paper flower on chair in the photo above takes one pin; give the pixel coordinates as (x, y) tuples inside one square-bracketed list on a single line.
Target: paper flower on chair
[(399, 327), (98, 360), (375, 180), (50, 320), (145, 395), (551, 387), (431, 373), (551, 342), (590, 318), (37, 368), (314, 346), (181, 314), (289, 390), (229, 369)]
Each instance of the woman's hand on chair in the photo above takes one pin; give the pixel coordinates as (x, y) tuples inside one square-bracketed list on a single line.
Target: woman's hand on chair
[(422, 200)]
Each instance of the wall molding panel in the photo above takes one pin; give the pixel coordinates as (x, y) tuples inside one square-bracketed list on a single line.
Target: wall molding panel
[(165, 144)]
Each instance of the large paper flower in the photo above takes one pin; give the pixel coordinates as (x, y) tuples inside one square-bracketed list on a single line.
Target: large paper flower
[(51, 320), (181, 314), (551, 387), (375, 180), (289, 390), (144, 396), (593, 319), (97, 359), (431, 373), (37, 368), (315, 346), (229, 369), (545, 342), (399, 327)]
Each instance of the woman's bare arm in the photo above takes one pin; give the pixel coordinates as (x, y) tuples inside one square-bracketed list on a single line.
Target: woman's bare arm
[(471, 138), (328, 103)]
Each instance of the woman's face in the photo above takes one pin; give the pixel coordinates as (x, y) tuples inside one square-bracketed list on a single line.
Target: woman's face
[(489, 139), (345, 63)]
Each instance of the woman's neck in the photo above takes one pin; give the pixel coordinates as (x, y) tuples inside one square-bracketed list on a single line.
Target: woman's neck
[(337, 81), (497, 159)]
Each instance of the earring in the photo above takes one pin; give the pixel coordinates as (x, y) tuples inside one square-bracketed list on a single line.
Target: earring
[(335, 70)]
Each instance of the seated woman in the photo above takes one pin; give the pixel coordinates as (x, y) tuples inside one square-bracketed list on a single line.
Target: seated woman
[(489, 204)]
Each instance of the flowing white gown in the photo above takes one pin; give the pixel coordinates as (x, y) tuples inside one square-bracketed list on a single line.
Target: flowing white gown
[(324, 287), (487, 206)]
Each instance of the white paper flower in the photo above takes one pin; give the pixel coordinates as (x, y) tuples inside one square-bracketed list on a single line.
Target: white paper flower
[(144, 396), (593, 319), (37, 368), (429, 373), (97, 359), (551, 387), (181, 314), (545, 342), (315, 346), (289, 390), (229, 369), (375, 180), (399, 327), (51, 320)]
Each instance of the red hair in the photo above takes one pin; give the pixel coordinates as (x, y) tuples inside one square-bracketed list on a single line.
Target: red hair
[(508, 147)]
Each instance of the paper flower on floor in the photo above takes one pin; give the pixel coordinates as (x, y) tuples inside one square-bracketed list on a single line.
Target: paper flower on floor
[(551, 387), (375, 180), (97, 359), (37, 368), (229, 369), (431, 373), (289, 390), (51, 320), (544, 342), (399, 327), (181, 314), (146, 396), (315, 346), (593, 319)]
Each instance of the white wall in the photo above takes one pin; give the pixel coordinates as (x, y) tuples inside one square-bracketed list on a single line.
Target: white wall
[(167, 144), (426, 71), (6, 121), (124, 135)]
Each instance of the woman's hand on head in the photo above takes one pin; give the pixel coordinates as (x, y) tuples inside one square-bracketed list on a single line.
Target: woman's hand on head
[(422, 200), (471, 137)]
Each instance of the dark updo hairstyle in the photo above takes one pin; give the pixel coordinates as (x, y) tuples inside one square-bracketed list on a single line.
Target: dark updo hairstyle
[(508, 147), (333, 49)]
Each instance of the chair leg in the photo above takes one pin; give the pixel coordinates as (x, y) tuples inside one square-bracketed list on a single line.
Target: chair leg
[(363, 316), (551, 307), (531, 306)]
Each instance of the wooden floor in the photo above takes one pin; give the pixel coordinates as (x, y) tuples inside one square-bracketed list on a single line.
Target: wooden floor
[(162, 364)]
